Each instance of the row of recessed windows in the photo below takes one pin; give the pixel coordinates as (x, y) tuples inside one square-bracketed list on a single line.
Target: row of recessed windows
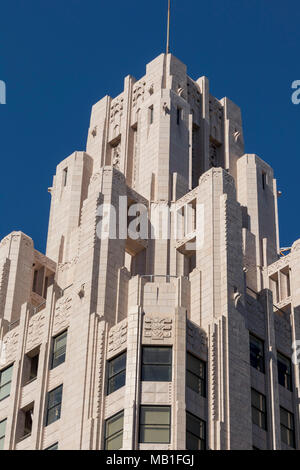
[(157, 367), (259, 417), (155, 428), (178, 115), (258, 400), (54, 397), (257, 360)]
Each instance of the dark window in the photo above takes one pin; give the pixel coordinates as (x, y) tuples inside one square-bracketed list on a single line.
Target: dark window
[(284, 371), (157, 364), (196, 374), (59, 349), (257, 357), (151, 115), (53, 447), (65, 176), (27, 417), (259, 412), (114, 432), (5, 382), (195, 433), (2, 433), (34, 364), (54, 405), (116, 373), (264, 180), (287, 427), (179, 113), (155, 424)]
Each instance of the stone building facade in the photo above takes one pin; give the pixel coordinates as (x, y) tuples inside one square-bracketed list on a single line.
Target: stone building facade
[(178, 342)]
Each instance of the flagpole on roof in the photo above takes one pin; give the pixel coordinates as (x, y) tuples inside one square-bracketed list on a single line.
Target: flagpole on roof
[(168, 27)]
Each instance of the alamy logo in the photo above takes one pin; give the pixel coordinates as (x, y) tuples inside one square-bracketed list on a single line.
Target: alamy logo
[(2, 92), (296, 94)]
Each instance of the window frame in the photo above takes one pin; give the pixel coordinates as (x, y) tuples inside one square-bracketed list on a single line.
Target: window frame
[(48, 409), (204, 441), (123, 371), (141, 425), (290, 431), (202, 381), (52, 445), (263, 370), (262, 413), (64, 332), (2, 438), (153, 364), (11, 366), (288, 377), (106, 438)]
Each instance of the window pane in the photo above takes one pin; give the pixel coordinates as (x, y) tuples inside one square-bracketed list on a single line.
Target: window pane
[(284, 419), (114, 425), (257, 353), (117, 365), (5, 391), (2, 428), (53, 414), (155, 434), (2, 443), (155, 415), (114, 443), (53, 447), (116, 382), (6, 375), (157, 373), (55, 396), (156, 355), (59, 349)]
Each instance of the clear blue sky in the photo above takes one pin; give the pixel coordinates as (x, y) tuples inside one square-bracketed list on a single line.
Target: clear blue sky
[(59, 57)]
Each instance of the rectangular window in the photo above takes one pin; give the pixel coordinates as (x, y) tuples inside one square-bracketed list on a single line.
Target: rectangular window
[(25, 420), (195, 433), (54, 405), (53, 447), (155, 424), (2, 433), (114, 432), (5, 382), (287, 426), (116, 373), (157, 364), (59, 349), (264, 180), (196, 374), (284, 371), (178, 118), (151, 115), (259, 412), (257, 356)]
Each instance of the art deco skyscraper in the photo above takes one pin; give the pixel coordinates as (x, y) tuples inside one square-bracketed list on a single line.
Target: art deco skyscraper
[(178, 342)]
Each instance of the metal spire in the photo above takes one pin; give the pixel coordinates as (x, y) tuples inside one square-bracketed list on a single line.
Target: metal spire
[(168, 27)]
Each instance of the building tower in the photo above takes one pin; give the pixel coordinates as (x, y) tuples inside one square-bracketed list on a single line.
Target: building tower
[(154, 342)]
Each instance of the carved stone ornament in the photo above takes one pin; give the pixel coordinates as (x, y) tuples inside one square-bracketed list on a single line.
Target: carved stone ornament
[(157, 328), (117, 336)]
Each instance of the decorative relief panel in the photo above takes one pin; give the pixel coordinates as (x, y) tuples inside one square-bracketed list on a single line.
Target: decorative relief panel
[(11, 344), (196, 338), (35, 330), (62, 313), (281, 263), (157, 328), (117, 337), (138, 92)]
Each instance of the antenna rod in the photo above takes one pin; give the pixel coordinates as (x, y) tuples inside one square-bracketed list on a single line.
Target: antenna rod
[(168, 27)]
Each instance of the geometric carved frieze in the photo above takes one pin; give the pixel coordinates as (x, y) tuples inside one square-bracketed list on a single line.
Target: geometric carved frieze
[(62, 313), (10, 341), (35, 330), (117, 336), (196, 338), (157, 328)]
